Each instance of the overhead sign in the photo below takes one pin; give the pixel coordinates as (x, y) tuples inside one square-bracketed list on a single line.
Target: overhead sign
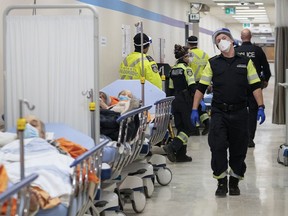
[(194, 17), (229, 10), (246, 25)]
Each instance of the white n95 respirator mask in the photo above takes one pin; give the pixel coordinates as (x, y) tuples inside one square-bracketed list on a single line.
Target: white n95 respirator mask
[(224, 45)]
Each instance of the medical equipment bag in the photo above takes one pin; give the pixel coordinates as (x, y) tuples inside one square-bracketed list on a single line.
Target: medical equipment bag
[(283, 155)]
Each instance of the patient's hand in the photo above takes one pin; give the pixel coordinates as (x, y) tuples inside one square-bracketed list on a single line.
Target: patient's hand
[(34, 204), (103, 105)]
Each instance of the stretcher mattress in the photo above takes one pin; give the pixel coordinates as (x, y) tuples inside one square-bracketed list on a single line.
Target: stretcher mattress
[(63, 130)]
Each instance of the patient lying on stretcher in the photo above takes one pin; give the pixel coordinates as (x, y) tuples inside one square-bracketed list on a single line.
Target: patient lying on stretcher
[(50, 160), (124, 102)]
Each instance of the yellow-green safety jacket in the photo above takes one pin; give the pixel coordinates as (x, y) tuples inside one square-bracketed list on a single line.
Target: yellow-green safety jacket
[(200, 59), (131, 68)]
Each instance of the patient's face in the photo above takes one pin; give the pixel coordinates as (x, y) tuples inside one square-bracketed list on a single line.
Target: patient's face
[(125, 93), (39, 125)]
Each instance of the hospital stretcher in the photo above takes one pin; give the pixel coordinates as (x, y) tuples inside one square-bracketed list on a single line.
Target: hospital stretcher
[(157, 130), (127, 187), (82, 196), (158, 133), (84, 191)]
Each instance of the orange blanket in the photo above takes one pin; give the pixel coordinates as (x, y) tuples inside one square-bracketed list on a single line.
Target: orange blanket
[(76, 150), (3, 187)]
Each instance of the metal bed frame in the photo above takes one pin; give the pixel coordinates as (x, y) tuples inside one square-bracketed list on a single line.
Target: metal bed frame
[(20, 189), (132, 147)]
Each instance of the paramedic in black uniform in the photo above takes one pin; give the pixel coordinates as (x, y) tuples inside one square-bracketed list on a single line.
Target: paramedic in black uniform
[(231, 75), (181, 85), (261, 64)]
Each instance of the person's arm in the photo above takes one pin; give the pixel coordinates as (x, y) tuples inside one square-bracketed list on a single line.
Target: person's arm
[(102, 104), (152, 73), (261, 107), (258, 96), (255, 84), (265, 68), (197, 98)]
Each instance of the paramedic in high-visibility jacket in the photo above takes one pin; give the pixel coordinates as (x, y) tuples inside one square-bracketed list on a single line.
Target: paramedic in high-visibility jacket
[(131, 66), (231, 75), (198, 63)]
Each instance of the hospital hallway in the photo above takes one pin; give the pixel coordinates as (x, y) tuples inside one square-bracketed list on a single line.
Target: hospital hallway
[(264, 191)]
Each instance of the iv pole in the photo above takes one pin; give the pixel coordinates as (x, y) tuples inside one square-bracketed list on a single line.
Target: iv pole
[(139, 25)]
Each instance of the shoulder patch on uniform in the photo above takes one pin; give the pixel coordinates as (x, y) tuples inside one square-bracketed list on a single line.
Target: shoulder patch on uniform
[(241, 66), (149, 58), (154, 68), (189, 72)]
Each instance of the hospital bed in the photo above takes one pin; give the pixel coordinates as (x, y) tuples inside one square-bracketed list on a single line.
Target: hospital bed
[(158, 132), (161, 112), (128, 188), (90, 163), (83, 190)]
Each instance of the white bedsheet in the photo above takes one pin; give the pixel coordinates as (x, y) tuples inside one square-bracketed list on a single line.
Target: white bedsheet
[(41, 158)]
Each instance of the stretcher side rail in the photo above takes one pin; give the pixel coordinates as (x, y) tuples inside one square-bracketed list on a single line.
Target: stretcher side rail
[(126, 141), (83, 189), (162, 119), (23, 196), (137, 142)]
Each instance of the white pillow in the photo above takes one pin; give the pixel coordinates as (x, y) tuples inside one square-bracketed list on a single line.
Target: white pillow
[(7, 137)]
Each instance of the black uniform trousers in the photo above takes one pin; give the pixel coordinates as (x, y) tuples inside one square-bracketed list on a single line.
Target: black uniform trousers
[(181, 110), (228, 131), (253, 110)]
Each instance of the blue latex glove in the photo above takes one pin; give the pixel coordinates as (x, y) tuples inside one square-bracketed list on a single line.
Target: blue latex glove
[(194, 117), (203, 105), (261, 115)]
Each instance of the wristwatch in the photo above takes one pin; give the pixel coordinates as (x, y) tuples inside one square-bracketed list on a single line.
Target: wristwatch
[(261, 106)]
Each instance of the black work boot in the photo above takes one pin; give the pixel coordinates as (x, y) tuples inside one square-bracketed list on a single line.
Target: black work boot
[(181, 155), (206, 127), (172, 148), (222, 189), (233, 186), (171, 154)]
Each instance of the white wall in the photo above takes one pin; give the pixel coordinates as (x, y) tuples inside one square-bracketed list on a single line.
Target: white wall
[(110, 22)]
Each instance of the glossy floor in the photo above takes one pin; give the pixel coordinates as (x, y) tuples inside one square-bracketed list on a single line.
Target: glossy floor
[(264, 191)]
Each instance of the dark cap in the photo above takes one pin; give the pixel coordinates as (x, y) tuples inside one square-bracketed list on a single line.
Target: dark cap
[(192, 40), (180, 51), (137, 40)]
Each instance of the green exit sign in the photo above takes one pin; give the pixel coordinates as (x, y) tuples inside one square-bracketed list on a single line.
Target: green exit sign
[(246, 25), (229, 10)]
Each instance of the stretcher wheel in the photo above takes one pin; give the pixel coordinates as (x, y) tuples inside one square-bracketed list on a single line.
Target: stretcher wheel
[(138, 201), (164, 176), (148, 187)]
